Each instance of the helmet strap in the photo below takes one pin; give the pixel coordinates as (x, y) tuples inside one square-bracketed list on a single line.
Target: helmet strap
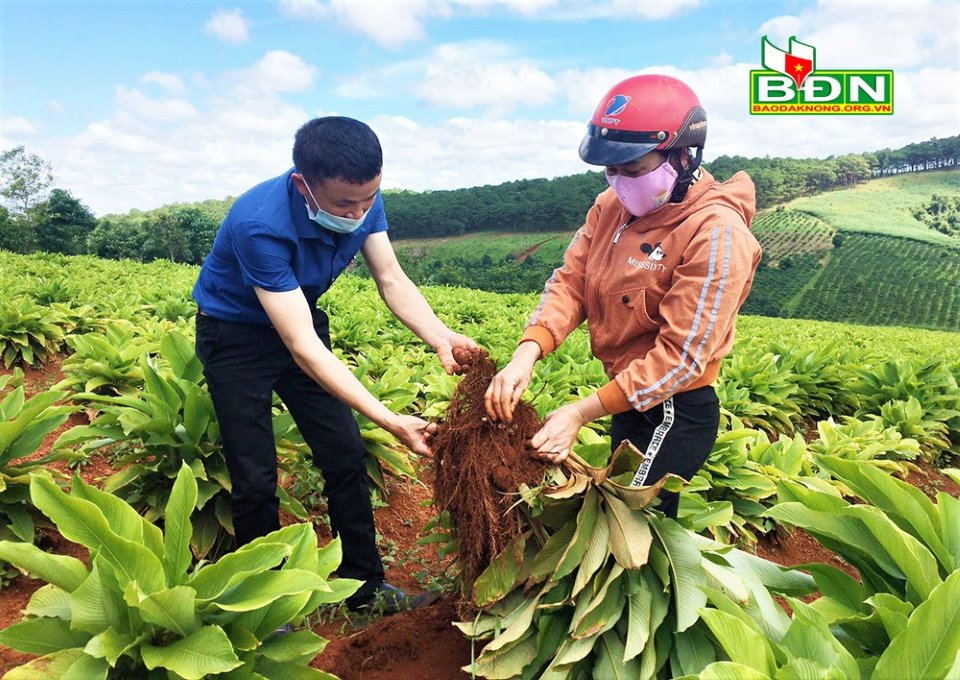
[(686, 173)]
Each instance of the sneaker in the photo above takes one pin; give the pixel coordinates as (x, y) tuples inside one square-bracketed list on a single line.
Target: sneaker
[(386, 599), (285, 629)]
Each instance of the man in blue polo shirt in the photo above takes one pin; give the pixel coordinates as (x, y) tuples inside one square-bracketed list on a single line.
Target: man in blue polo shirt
[(281, 246)]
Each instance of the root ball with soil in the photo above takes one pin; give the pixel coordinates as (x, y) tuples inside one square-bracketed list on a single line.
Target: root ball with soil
[(480, 466)]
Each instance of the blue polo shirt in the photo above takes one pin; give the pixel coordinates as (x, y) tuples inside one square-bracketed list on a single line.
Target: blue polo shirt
[(267, 240)]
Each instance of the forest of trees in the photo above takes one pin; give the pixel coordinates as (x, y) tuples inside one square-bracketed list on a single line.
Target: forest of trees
[(56, 221)]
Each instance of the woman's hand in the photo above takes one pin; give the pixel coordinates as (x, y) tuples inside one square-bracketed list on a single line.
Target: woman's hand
[(413, 432), (558, 434), (508, 385), (450, 344)]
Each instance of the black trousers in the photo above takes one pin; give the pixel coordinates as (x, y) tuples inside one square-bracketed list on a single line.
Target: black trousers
[(244, 364), (676, 436)]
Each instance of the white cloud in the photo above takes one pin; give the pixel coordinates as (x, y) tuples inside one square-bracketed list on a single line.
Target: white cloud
[(482, 75), (393, 23), (874, 33), (17, 126), (168, 81), (279, 71), (229, 26), (137, 104), (467, 151)]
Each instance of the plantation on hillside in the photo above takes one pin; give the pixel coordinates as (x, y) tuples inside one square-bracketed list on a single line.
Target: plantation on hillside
[(884, 206), (885, 280)]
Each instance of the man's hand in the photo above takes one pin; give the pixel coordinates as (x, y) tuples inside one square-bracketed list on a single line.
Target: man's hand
[(445, 346), (413, 432), (508, 385), (559, 432)]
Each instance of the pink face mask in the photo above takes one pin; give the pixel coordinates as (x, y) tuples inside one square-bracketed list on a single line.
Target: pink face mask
[(644, 194)]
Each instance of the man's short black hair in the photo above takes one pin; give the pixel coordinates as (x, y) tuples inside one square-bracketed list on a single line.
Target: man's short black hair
[(337, 147)]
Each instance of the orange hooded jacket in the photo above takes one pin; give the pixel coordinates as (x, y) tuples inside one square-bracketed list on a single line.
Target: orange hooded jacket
[(660, 293)]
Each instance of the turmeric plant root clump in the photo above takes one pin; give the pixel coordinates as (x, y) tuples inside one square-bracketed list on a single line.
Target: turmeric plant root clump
[(480, 467)]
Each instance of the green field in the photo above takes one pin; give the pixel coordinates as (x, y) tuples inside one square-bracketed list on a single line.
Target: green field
[(882, 206)]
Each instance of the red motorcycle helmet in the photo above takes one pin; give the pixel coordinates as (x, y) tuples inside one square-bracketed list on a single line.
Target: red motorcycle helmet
[(642, 114)]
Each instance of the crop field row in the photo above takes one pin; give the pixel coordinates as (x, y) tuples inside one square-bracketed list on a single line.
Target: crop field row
[(790, 232), (884, 280)]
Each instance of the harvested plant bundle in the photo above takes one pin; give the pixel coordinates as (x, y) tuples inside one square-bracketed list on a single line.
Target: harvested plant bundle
[(480, 467), (595, 588)]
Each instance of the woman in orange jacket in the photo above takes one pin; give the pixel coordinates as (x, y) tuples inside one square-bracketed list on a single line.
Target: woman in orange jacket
[(659, 270)]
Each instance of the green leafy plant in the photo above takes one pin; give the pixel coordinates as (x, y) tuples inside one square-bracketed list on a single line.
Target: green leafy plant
[(106, 362), (29, 334), (24, 423), (598, 588), (140, 611), (170, 422)]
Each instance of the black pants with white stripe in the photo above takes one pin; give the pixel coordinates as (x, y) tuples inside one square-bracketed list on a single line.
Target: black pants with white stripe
[(676, 436)]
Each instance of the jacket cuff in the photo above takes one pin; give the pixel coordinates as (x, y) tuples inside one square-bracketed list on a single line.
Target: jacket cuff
[(541, 336), (612, 397)]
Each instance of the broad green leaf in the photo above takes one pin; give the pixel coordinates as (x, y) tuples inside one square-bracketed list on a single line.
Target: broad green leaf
[(122, 519), (918, 564), (516, 629), (49, 602), (300, 646), (329, 557), (639, 602), (729, 670), (609, 664), (500, 577), (289, 671), (70, 664), (174, 609), (82, 522), (949, 508), (111, 645), (630, 536), (258, 590), (42, 636), (207, 651), (212, 579), (598, 550), (549, 556), (927, 647), (586, 521), (838, 586), (901, 502), (742, 644), (694, 651), (506, 664), (177, 526), (60, 570), (605, 610), (809, 637), (685, 569)]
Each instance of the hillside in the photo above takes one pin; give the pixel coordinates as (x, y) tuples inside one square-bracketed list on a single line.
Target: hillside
[(856, 255)]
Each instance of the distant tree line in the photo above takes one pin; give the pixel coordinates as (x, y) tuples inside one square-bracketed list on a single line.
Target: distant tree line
[(56, 221), (941, 214)]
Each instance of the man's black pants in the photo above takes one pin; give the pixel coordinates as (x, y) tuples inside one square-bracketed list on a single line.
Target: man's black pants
[(244, 364), (676, 436)]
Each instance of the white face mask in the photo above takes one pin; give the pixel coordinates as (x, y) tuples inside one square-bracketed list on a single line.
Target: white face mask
[(341, 225)]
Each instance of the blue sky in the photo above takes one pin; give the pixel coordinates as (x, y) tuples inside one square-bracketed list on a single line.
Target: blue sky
[(142, 103)]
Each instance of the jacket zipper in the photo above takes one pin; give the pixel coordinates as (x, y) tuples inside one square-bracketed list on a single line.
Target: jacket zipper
[(606, 268)]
